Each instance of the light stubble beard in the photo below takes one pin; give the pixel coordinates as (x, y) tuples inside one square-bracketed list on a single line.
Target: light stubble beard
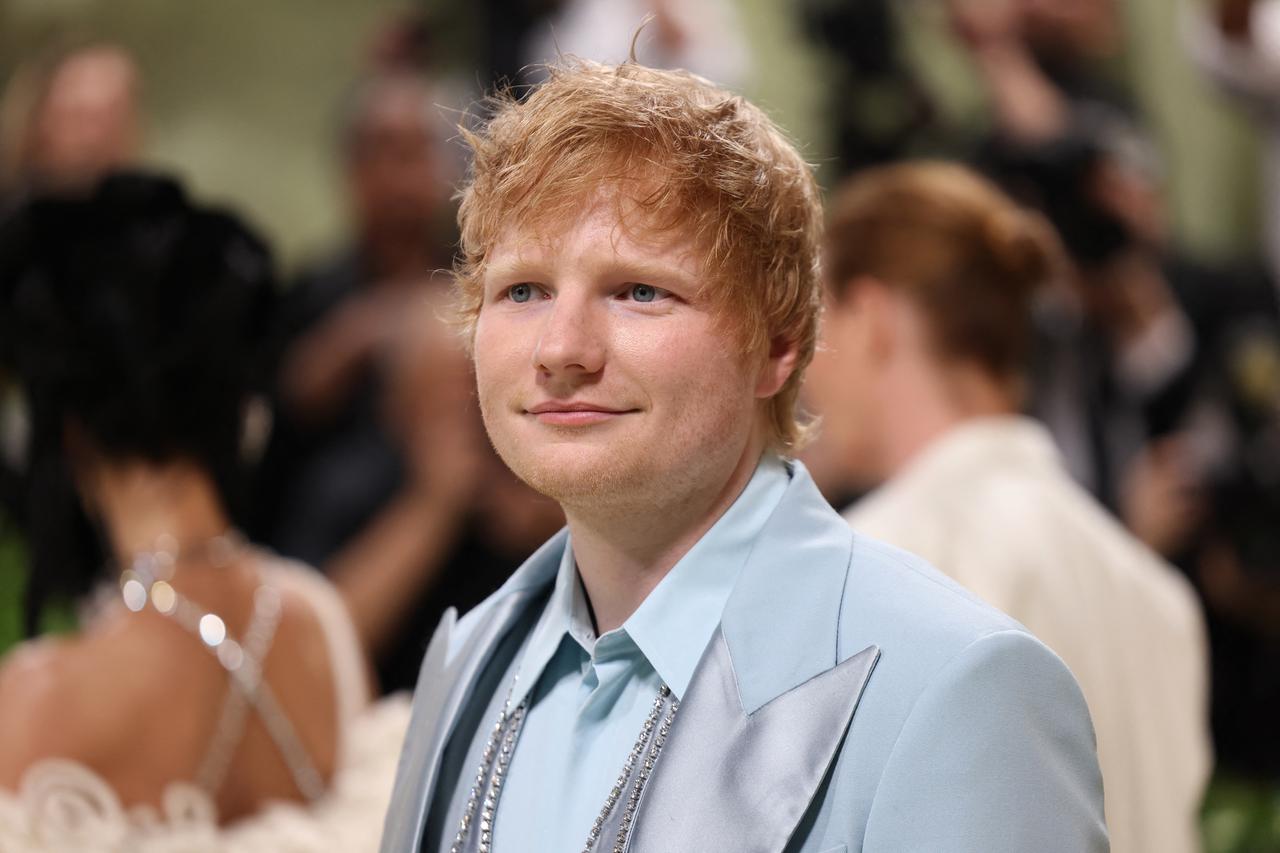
[(629, 480)]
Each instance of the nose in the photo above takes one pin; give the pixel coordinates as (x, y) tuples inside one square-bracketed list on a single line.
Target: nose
[(572, 343)]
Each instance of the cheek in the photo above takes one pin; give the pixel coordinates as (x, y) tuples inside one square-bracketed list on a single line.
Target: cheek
[(498, 355), (698, 372)]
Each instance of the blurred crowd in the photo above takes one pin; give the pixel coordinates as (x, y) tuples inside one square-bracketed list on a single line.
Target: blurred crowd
[(356, 447)]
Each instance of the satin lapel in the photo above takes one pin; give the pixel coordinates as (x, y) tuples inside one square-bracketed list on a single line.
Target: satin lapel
[(435, 711), (407, 810), (782, 622), (732, 781), (445, 684)]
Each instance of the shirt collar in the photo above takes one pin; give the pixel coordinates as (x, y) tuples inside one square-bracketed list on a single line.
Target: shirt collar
[(673, 625), (566, 614)]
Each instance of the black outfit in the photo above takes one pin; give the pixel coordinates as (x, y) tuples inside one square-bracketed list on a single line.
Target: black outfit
[(1238, 326), (320, 484)]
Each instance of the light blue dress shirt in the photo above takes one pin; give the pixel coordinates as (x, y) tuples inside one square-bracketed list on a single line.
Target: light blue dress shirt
[(589, 696)]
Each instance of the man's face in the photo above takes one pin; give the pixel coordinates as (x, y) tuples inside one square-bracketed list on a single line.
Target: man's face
[(603, 377)]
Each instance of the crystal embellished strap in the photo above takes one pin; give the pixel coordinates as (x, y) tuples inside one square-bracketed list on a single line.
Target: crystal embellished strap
[(140, 586), (246, 680)]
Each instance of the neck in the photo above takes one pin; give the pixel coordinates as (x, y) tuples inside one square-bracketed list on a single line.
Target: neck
[(938, 399), (141, 502), (623, 555)]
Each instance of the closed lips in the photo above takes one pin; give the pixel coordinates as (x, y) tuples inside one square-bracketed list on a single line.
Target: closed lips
[(546, 408)]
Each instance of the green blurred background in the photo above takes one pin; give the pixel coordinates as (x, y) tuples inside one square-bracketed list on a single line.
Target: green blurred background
[(240, 99)]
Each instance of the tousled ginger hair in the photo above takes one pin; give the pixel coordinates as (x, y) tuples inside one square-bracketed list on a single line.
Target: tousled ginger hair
[(692, 158)]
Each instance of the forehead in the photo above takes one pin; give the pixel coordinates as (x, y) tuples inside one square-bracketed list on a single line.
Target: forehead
[(607, 227)]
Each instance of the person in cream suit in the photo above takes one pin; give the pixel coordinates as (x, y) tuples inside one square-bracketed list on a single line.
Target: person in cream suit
[(932, 272), (707, 658)]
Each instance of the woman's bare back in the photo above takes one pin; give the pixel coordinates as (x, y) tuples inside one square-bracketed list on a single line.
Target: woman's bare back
[(137, 698)]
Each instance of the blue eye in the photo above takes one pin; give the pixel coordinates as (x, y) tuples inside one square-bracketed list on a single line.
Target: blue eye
[(520, 292), (644, 292)]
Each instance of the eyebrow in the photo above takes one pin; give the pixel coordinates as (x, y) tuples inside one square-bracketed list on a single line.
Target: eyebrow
[(514, 269), (653, 274), (622, 269)]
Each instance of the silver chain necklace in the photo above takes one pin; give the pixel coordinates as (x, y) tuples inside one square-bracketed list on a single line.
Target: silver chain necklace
[(496, 758)]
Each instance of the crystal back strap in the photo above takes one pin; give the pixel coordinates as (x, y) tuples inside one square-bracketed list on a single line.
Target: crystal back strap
[(245, 682)]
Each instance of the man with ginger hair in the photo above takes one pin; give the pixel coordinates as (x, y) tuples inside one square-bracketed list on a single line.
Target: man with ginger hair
[(706, 659)]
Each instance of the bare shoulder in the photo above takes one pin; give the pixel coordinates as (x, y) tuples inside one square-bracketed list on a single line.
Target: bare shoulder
[(40, 706), (71, 697)]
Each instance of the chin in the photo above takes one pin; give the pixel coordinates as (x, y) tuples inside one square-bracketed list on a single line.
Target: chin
[(573, 473), (627, 466)]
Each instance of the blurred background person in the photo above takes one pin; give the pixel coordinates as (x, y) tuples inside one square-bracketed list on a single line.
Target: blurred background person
[(1236, 43), (702, 36), (208, 678), (68, 117), (1041, 61), (377, 469), (878, 106), (497, 43), (927, 340), (1155, 370), (1117, 349)]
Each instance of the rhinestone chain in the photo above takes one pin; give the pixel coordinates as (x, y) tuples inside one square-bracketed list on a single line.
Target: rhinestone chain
[(633, 801), (493, 767), (496, 758), (627, 767)]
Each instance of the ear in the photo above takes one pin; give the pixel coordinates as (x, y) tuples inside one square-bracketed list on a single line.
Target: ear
[(777, 368)]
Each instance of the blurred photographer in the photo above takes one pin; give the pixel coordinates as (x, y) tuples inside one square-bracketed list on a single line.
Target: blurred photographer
[(1156, 373)]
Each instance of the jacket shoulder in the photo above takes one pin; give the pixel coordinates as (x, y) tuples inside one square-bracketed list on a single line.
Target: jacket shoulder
[(920, 620), (958, 685), (894, 599), (1003, 738)]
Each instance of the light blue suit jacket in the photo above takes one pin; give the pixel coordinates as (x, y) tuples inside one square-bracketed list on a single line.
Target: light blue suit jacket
[(853, 699)]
